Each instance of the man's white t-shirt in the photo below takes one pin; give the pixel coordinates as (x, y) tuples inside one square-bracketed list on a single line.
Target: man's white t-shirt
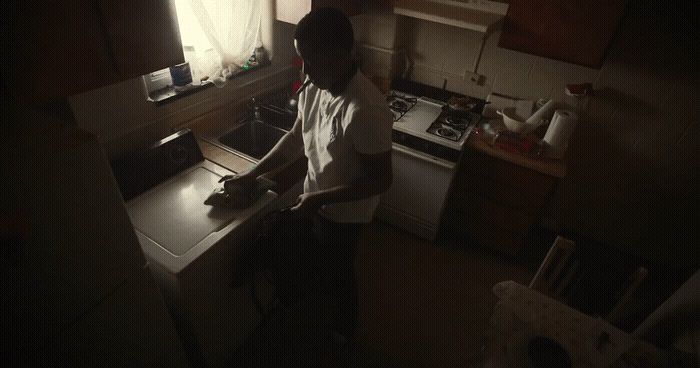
[(337, 128)]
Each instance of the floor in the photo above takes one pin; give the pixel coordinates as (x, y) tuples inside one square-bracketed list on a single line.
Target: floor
[(422, 304)]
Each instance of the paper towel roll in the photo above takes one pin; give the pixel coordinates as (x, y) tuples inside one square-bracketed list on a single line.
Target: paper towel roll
[(560, 129)]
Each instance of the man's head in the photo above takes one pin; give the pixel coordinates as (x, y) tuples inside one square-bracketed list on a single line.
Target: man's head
[(324, 39)]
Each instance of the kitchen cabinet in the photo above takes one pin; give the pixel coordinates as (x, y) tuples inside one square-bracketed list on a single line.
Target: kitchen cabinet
[(495, 202), (483, 16), (574, 31), (291, 11), (68, 47)]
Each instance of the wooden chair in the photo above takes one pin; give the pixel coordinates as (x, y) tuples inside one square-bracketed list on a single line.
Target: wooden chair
[(560, 269), (624, 294), (557, 269)]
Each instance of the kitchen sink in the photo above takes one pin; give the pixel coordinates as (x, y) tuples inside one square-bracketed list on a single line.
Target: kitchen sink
[(253, 138)]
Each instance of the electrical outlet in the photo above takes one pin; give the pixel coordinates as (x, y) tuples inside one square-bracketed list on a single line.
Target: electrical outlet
[(474, 78)]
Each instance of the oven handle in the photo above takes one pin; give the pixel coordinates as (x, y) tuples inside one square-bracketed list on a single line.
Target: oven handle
[(414, 154)]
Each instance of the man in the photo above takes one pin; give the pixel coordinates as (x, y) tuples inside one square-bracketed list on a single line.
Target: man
[(343, 127)]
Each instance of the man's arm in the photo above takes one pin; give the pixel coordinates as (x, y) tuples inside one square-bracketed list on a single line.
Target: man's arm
[(286, 150), (377, 179), (289, 148)]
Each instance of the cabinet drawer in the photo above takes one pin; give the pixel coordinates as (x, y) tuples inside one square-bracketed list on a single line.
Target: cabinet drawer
[(482, 210), (505, 183), (526, 197), (492, 224), (480, 165), (476, 164)]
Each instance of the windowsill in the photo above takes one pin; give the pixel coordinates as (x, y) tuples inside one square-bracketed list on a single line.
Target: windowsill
[(168, 94)]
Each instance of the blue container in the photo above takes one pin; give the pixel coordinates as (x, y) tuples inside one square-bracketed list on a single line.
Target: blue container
[(181, 74)]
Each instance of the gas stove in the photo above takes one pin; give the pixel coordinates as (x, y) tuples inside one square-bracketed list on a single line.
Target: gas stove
[(428, 137), (430, 119)]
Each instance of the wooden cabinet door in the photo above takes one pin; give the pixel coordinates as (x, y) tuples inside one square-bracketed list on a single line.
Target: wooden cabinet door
[(497, 202), (142, 35), (574, 31), (72, 46)]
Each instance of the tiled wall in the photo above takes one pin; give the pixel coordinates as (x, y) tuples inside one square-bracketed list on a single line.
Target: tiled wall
[(633, 158)]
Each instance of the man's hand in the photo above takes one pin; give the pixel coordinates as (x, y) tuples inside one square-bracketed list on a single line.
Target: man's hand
[(244, 183), (307, 205)]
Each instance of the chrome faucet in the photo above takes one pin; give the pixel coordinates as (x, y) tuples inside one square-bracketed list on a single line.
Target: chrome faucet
[(253, 106)]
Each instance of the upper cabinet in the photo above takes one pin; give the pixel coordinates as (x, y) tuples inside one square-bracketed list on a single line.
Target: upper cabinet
[(476, 15), (291, 11), (574, 31), (72, 46)]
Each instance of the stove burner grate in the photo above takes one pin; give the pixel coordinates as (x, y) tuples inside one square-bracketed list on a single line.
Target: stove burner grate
[(453, 127), (446, 132), (457, 121), (400, 105)]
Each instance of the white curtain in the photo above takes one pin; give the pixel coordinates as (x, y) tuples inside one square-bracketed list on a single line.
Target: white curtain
[(233, 30)]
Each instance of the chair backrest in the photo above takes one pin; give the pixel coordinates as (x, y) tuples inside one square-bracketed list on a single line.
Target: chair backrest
[(560, 269), (624, 295), (557, 270)]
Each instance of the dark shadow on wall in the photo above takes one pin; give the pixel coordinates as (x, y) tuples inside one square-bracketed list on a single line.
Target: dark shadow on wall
[(623, 190), (633, 159)]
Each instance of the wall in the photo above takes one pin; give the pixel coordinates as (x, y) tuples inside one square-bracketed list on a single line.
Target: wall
[(632, 178), (117, 113)]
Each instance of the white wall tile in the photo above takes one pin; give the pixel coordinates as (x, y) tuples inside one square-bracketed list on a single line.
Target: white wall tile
[(375, 29), (512, 81), (380, 62), (431, 77)]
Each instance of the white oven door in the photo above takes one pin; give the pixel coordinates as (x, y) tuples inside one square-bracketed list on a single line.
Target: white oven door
[(417, 196)]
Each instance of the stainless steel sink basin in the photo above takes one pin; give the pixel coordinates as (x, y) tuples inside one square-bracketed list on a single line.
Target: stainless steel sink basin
[(253, 138)]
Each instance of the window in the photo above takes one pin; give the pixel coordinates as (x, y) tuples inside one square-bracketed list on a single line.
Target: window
[(220, 38)]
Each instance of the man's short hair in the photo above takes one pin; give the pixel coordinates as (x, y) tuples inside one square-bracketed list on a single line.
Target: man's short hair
[(325, 29)]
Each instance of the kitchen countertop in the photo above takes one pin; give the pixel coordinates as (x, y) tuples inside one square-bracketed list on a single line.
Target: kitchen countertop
[(212, 126), (285, 178), (222, 120), (547, 166), (217, 122)]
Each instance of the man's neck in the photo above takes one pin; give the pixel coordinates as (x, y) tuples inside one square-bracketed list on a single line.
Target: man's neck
[(339, 86)]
